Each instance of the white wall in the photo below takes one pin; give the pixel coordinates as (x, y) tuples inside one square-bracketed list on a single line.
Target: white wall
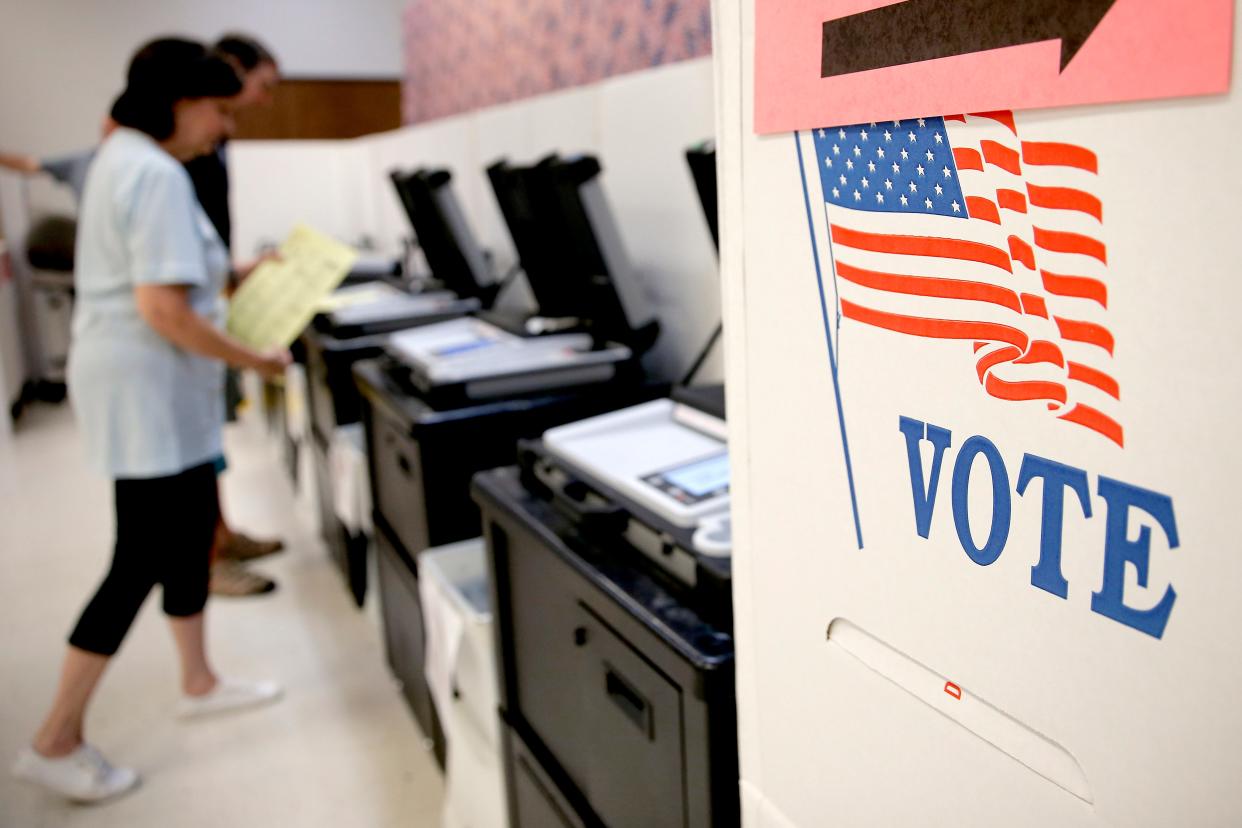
[(63, 61), (639, 125), (277, 184)]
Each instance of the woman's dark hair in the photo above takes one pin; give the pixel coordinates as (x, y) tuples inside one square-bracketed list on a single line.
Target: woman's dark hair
[(244, 49), (165, 71)]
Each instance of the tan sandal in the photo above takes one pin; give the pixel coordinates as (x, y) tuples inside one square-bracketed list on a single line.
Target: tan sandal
[(239, 547), (230, 578)]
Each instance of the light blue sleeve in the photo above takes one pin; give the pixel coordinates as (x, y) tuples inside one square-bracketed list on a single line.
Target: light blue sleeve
[(162, 235)]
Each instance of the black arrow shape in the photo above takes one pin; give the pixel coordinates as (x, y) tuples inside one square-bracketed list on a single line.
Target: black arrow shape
[(918, 30)]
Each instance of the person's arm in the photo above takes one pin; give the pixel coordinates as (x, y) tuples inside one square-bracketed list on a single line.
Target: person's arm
[(166, 308), (25, 164)]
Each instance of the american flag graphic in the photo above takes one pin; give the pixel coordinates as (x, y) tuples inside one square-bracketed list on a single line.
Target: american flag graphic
[(956, 229)]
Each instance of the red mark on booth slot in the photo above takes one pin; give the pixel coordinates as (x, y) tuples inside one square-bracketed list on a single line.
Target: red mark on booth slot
[(953, 690)]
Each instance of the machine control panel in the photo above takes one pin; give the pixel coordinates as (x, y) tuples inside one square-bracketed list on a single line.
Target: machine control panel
[(695, 481)]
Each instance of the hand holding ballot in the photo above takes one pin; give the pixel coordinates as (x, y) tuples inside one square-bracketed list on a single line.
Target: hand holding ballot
[(272, 363), (282, 295), (241, 271)]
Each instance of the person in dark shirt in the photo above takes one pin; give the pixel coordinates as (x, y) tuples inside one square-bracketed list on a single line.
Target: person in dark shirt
[(260, 76), (209, 173)]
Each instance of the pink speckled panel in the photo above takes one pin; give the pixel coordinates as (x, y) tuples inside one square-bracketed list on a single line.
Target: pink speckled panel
[(465, 54)]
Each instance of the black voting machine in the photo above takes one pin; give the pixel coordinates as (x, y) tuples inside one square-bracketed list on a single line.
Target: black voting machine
[(425, 440), (460, 281), (616, 659)]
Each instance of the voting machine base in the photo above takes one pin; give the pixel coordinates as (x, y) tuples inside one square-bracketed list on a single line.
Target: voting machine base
[(420, 462), (405, 639), (278, 423), (342, 327), (348, 550), (535, 799), (421, 458), (334, 399), (613, 685), (332, 345)]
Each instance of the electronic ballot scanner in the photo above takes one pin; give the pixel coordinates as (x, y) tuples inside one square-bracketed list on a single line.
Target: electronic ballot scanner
[(357, 316), (456, 261), (594, 318), (447, 400), (660, 468), (459, 280), (609, 546), (354, 326)]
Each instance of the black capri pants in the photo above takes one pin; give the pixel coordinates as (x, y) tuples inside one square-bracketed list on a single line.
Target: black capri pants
[(164, 532)]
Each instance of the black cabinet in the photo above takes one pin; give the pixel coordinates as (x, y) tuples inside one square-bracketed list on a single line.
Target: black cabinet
[(348, 550), (422, 457), (421, 460), (535, 800), (333, 397), (405, 640), (634, 725)]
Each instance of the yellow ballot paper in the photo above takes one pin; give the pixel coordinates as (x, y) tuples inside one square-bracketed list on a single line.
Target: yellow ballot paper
[(280, 298)]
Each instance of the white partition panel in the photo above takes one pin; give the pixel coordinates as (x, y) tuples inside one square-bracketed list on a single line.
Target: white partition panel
[(980, 584), (275, 185), (647, 121), (500, 132), (638, 125), (566, 122), (385, 153)]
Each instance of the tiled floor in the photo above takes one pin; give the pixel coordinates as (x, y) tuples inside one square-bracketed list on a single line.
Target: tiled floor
[(340, 750)]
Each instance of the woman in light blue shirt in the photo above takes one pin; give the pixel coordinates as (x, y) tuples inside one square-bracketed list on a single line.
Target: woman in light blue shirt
[(145, 378)]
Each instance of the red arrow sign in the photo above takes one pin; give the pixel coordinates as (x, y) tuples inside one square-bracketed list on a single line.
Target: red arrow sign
[(1140, 49)]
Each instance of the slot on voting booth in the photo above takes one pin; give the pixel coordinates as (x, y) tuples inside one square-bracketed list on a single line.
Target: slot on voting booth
[(946, 698)]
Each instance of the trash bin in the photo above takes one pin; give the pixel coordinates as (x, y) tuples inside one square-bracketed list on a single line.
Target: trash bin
[(49, 250), (348, 526), (52, 295), (461, 673)]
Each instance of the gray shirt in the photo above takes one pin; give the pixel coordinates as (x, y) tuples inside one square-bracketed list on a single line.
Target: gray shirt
[(70, 170), (146, 408)]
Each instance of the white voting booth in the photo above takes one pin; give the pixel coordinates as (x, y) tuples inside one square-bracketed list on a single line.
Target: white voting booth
[(985, 555)]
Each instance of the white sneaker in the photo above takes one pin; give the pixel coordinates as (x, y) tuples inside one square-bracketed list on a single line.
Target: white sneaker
[(227, 695), (83, 776)]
